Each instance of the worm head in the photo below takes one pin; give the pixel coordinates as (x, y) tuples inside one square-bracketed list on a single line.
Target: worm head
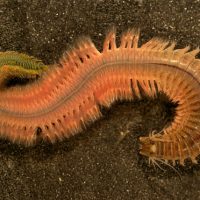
[(147, 147)]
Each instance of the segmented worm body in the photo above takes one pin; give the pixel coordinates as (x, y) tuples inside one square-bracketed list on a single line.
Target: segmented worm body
[(68, 96)]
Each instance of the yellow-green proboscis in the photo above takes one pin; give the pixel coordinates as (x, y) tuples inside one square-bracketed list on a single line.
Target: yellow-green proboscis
[(19, 65)]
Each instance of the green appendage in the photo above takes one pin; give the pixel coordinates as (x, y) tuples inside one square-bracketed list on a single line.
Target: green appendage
[(18, 65)]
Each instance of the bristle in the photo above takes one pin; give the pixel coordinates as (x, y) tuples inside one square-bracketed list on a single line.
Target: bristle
[(109, 42), (195, 52), (171, 46), (129, 39), (156, 44), (82, 50)]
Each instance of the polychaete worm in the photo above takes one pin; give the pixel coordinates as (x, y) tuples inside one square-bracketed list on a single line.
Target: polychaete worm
[(68, 95)]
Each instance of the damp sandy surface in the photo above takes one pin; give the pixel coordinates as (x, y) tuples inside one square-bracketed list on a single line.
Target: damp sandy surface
[(94, 164)]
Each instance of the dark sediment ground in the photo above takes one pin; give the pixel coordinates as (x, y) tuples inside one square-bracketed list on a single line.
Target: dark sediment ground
[(92, 165)]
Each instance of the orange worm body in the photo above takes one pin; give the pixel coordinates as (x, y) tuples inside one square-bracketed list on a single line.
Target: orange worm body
[(68, 96)]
